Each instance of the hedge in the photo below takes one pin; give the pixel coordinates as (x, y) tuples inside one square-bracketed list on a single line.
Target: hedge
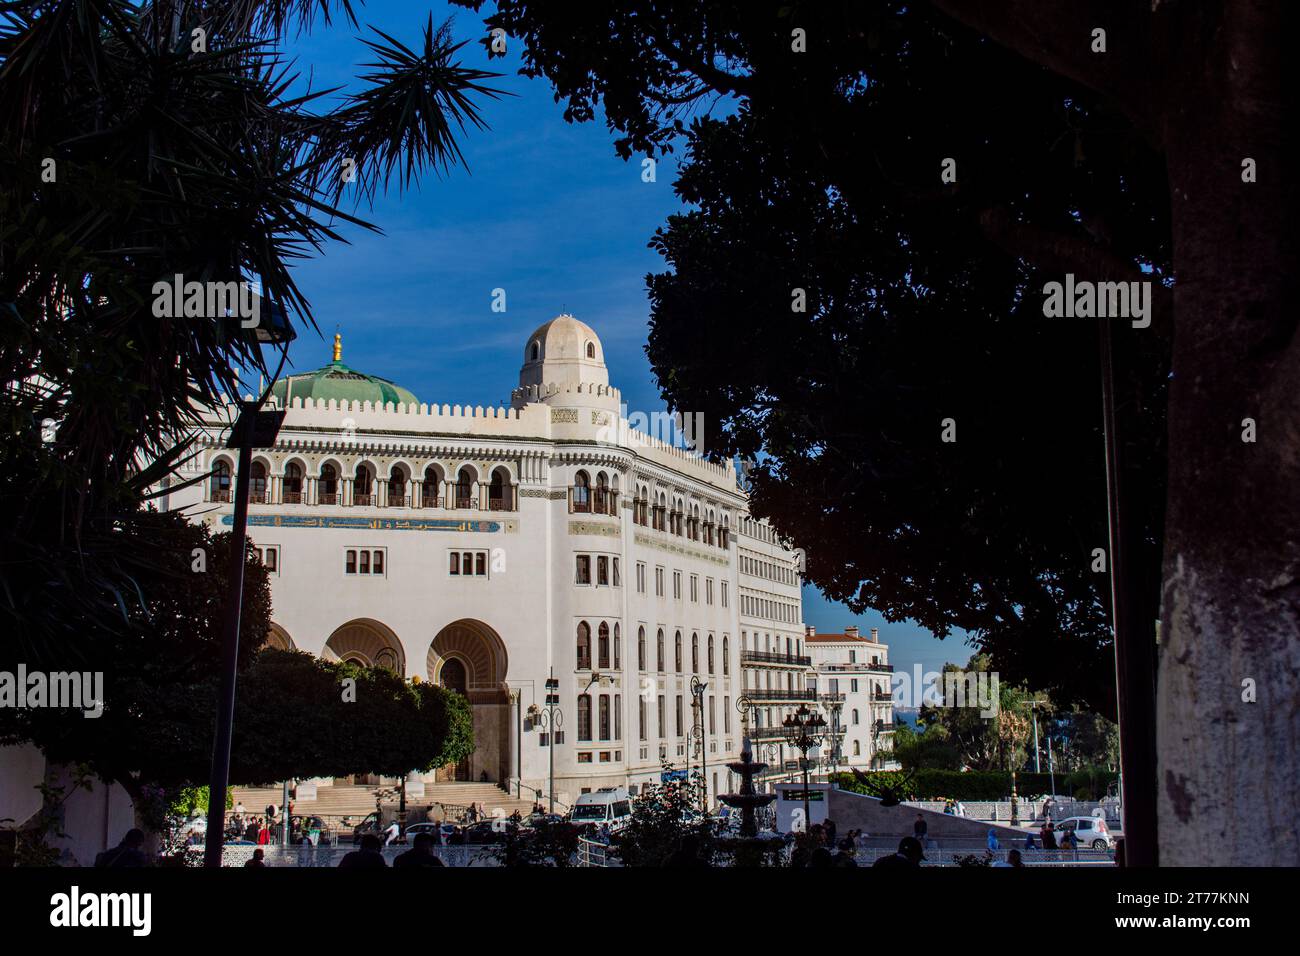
[(929, 784)]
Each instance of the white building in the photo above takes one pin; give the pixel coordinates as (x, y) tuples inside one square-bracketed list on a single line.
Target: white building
[(851, 678), (487, 549)]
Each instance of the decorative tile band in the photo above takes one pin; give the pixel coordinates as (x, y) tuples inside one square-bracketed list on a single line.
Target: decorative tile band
[(678, 549), (373, 524), (595, 527)]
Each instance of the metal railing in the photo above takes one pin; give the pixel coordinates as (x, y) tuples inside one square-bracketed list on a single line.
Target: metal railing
[(770, 657), (758, 694)]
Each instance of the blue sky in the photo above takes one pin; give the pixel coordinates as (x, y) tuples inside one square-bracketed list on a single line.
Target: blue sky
[(546, 211)]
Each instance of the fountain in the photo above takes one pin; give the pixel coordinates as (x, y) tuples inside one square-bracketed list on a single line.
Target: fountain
[(748, 848)]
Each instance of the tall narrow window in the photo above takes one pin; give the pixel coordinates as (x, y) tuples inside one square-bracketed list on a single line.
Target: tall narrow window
[(602, 570), (618, 648), (602, 645), (695, 653), (710, 653), (583, 570), (640, 648), (584, 646), (659, 659), (362, 486), (604, 716), (584, 717), (677, 652), (431, 488)]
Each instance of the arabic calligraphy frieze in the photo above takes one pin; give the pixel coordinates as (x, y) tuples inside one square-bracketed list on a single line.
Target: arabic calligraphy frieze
[(375, 524)]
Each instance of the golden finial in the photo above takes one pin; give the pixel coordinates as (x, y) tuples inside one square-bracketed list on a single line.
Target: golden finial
[(338, 347)]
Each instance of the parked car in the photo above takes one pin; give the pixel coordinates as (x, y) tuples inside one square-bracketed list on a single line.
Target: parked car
[(370, 824), (1089, 831), (485, 831), (441, 832), (609, 805)]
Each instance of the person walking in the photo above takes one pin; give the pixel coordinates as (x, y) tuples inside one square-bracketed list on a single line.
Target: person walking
[(392, 833)]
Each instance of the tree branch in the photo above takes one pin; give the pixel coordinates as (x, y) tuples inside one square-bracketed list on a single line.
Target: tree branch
[(1057, 34)]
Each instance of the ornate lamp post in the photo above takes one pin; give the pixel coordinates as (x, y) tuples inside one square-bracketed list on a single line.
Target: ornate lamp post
[(804, 730), (551, 718), (698, 688), (837, 739)]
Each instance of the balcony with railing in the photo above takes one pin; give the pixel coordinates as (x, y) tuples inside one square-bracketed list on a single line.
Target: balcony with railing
[(763, 695), (770, 657)]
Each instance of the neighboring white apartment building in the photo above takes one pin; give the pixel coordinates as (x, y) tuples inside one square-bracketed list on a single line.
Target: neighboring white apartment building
[(774, 660), (851, 678)]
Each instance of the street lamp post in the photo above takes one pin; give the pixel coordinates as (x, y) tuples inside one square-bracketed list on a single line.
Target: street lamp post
[(253, 428), (804, 730), (837, 739), (552, 719), (698, 688)]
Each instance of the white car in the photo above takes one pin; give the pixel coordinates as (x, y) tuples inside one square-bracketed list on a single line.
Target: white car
[(1089, 831)]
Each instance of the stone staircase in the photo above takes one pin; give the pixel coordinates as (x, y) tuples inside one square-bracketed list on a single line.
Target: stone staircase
[(357, 801)]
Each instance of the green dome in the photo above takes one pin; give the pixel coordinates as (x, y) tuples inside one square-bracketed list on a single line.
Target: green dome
[(342, 384)]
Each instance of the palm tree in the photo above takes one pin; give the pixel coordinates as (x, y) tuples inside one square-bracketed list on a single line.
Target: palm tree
[(140, 142)]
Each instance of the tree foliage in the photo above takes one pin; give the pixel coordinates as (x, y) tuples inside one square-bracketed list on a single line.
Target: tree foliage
[(822, 182)]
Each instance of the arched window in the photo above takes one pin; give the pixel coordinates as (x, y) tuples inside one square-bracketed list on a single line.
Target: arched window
[(453, 676), (601, 504), (726, 655), (581, 492), (535, 351), (431, 490), (293, 483), (677, 652), (602, 645), (584, 647), (710, 660), (855, 716), (220, 485), (659, 658), (591, 350), (584, 717), (500, 491), (257, 483), (387, 659), (640, 648), (397, 487), (857, 749), (695, 653), (362, 486), (464, 488), (328, 493)]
